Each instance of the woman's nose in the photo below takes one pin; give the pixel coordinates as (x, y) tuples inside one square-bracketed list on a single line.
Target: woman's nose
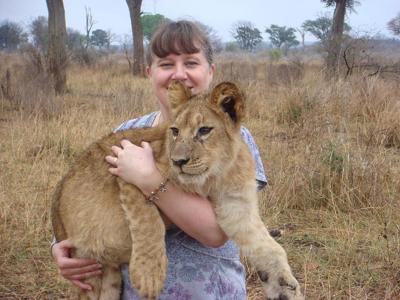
[(179, 72)]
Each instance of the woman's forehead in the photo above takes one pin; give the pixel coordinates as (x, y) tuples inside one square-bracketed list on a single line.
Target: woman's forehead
[(181, 55)]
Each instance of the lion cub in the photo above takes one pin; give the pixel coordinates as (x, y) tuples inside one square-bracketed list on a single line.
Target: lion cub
[(202, 151)]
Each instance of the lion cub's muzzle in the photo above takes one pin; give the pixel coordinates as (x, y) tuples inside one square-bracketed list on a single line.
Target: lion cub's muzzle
[(188, 166), (180, 162)]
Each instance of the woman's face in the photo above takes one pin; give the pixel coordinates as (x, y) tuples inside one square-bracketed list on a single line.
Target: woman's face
[(192, 69)]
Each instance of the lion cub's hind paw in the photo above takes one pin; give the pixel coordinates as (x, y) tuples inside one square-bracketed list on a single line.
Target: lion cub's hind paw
[(148, 282), (282, 287), (148, 286)]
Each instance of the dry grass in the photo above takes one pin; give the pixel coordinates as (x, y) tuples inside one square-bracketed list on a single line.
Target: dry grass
[(332, 152)]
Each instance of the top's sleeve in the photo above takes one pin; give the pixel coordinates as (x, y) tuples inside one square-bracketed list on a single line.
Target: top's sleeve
[(141, 122), (261, 177)]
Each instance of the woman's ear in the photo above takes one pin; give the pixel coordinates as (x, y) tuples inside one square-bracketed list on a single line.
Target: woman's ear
[(148, 71), (212, 69)]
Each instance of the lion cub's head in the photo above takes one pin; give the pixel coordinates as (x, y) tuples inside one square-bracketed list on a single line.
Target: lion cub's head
[(204, 136)]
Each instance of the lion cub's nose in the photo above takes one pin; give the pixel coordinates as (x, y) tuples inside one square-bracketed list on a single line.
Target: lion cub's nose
[(180, 162)]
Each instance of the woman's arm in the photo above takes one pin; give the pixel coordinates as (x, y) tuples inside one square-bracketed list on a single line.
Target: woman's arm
[(191, 213)]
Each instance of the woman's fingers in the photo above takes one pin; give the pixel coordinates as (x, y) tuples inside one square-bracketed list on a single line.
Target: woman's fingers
[(67, 272), (112, 160), (116, 150), (66, 244), (82, 285), (77, 275), (75, 263), (146, 146), (85, 275), (126, 143)]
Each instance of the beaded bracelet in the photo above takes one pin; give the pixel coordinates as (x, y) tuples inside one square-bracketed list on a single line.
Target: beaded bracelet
[(162, 188)]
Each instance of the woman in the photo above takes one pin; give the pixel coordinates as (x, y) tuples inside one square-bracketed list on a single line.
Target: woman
[(203, 264)]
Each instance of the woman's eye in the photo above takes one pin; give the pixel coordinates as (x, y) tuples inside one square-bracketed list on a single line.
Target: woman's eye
[(166, 65), (175, 131), (191, 63), (204, 130)]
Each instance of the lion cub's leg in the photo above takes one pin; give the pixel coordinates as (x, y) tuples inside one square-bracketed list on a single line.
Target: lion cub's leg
[(148, 262), (93, 294), (95, 282), (240, 220), (111, 283), (104, 287)]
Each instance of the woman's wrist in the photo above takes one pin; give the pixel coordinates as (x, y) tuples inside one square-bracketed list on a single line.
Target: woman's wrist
[(152, 184), (155, 194)]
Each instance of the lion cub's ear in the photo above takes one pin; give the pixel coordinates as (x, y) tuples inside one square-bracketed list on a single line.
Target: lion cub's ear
[(178, 94), (229, 98)]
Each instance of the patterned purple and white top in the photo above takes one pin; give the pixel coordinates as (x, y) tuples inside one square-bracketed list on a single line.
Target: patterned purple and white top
[(195, 271)]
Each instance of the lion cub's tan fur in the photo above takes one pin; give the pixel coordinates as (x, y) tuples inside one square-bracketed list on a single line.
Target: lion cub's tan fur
[(202, 151)]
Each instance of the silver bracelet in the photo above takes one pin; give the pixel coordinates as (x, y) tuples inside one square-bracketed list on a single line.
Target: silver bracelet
[(53, 242), (154, 195)]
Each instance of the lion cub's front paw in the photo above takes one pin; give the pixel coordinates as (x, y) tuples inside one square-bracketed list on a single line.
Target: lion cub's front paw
[(280, 286), (149, 280)]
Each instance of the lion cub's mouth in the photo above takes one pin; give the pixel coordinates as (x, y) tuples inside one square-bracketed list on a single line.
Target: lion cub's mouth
[(192, 172)]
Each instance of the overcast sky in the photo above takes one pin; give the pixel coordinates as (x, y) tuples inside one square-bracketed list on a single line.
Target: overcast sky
[(371, 15)]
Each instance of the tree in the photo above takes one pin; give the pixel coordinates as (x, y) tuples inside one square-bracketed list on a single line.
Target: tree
[(212, 35), (100, 38), (280, 36), (137, 35), (394, 25), (320, 28), (39, 29), (89, 22), (302, 33), (246, 35), (57, 53), (336, 32), (11, 35), (231, 47), (75, 40), (150, 23)]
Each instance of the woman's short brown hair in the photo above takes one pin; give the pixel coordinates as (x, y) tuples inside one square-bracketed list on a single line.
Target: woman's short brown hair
[(177, 38)]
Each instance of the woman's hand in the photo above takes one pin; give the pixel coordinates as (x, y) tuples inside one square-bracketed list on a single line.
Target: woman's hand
[(74, 269), (135, 165)]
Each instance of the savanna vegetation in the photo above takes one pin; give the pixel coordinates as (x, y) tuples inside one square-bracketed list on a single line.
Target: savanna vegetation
[(331, 150), (326, 119)]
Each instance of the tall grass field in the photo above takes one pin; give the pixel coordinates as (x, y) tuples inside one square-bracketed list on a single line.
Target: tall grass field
[(331, 150)]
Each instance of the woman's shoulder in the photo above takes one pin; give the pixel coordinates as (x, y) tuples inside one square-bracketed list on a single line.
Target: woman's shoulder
[(140, 122)]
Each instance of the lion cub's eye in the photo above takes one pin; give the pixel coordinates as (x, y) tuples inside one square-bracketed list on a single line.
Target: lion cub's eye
[(204, 130), (175, 131)]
